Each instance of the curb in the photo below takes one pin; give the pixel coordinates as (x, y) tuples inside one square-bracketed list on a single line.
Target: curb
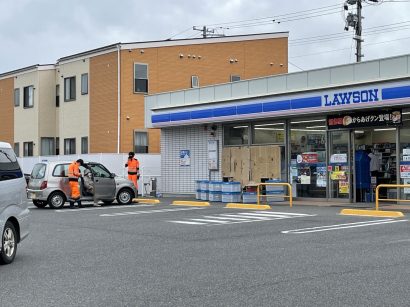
[(190, 203), (145, 201), (247, 206), (378, 213)]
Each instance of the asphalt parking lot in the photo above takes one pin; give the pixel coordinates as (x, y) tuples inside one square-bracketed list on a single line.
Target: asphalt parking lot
[(164, 255)]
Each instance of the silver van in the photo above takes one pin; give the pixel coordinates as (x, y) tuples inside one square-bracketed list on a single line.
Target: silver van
[(14, 211), (48, 185)]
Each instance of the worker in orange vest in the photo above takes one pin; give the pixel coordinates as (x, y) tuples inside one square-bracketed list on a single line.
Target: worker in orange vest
[(73, 175), (133, 169)]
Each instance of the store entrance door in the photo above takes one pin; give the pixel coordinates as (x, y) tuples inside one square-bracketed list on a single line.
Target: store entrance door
[(374, 162), (340, 165)]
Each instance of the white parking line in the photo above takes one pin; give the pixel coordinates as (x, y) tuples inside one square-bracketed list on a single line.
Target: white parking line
[(241, 217), (341, 226), (68, 210), (149, 211)]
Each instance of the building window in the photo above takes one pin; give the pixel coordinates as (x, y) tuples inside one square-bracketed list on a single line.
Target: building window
[(16, 97), (28, 96), (28, 149), (140, 142), (17, 149), (194, 81), (268, 133), (237, 134), (69, 89), (140, 78), (57, 146), (57, 95), (69, 146), (84, 84), (84, 145), (235, 78), (47, 146)]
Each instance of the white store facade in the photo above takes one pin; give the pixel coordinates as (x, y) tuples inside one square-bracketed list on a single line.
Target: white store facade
[(313, 129)]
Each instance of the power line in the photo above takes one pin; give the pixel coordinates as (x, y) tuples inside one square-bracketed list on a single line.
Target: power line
[(343, 49)]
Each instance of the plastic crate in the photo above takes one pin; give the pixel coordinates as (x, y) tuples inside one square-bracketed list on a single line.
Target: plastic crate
[(203, 195), (228, 187), (203, 185), (275, 188), (215, 186), (272, 198), (198, 194), (198, 184), (215, 196), (231, 197), (249, 197)]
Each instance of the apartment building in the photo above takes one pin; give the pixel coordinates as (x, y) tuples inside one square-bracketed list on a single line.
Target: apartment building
[(93, 101)]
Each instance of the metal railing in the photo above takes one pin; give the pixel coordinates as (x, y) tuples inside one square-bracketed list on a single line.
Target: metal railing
[(284, 184), (378, 199)]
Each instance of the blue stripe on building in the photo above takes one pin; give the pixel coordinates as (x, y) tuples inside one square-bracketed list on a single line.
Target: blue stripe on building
[(276, 106), (396, 92), (310, 102), (272, 106), (249, 108)]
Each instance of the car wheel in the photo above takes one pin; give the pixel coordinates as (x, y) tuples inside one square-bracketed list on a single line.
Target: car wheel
[(39, 203), (56, 200), (125, 196), (107, 202), (8, 244)]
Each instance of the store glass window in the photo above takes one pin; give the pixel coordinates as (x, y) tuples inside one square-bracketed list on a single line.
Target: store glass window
[(268, 133), (237, 134), (404, 154), (308, 157)]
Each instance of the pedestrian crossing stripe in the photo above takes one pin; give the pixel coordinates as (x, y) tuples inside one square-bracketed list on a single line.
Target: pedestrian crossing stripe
[(241, 217)]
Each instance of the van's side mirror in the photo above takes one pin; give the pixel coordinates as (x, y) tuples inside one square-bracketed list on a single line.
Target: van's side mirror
[(112, 175)]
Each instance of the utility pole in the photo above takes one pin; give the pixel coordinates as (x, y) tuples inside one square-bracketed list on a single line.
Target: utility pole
[(358, 37), (355, 21), (205, 31)]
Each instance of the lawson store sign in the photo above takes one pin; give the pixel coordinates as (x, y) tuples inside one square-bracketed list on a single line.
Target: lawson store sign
[(312, 102)]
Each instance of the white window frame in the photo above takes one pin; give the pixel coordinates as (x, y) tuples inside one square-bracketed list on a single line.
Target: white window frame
[(135, 141), (194, 81), (134, 78)]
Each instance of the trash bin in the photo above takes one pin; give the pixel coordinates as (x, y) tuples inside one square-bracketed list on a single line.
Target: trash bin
[(153, 187)]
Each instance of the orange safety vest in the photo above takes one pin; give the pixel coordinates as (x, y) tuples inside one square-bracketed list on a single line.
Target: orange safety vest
[(73, 172), (133, 166)]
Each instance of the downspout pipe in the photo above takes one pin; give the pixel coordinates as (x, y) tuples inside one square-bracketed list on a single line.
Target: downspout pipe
[(118, 97)]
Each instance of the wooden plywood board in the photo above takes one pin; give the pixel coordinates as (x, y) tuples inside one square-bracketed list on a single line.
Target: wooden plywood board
[(265, 162)]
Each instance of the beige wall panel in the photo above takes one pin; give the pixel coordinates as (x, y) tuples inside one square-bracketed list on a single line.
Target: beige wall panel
[(47, 104), (26, 120), (167, 71), (73, 115), (7, 110), (103, 103)]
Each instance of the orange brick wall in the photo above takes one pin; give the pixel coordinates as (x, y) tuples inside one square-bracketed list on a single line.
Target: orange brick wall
[(168, 72), (103, 103), (7, 110)]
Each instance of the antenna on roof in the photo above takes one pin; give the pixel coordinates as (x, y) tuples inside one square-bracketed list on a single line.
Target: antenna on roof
[(207, 32)]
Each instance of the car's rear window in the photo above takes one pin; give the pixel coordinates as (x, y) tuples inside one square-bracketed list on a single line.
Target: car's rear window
[(61, 170), (9, 167), (39, 171)]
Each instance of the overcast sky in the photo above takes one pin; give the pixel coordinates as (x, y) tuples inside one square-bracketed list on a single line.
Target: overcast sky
[(41, 31)]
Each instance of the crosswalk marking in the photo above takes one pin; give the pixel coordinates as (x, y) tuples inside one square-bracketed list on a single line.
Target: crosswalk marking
[(187, 222), (240, 217), (149, 211)]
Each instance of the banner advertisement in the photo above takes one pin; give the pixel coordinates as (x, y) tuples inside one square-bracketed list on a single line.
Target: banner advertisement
[(365, 119)]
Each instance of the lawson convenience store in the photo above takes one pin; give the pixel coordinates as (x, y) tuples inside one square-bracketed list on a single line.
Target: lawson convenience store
[(334, 133)]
